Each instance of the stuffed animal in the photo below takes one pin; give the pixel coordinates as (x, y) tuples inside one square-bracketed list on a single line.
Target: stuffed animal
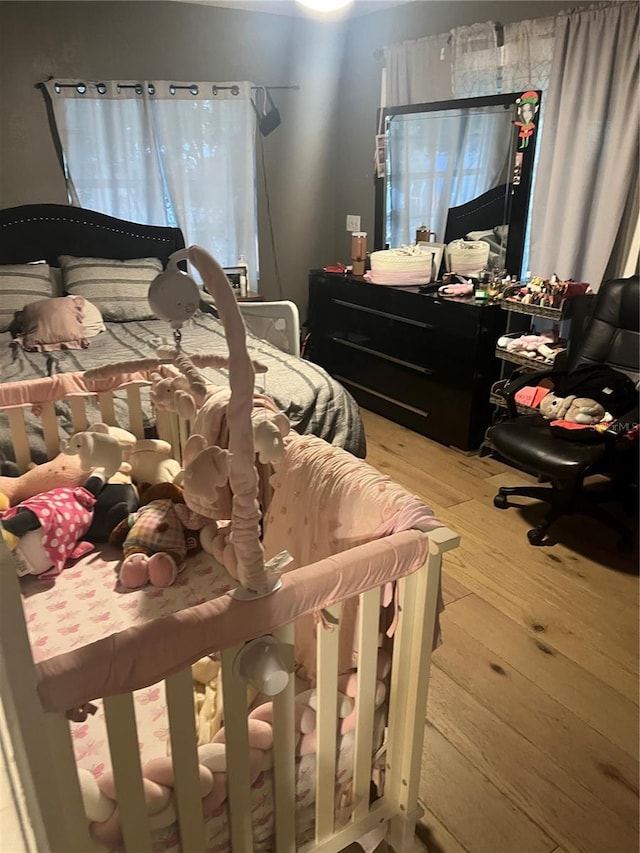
[(152, 462), (580, 410), (45, 530), (155, 539), (96, 449), (63, 471), (117, 500)]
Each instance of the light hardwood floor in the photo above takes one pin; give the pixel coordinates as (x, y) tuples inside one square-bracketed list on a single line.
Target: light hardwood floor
[(531, 741)]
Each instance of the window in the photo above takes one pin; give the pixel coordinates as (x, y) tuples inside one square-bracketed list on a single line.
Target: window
[(165, 154)]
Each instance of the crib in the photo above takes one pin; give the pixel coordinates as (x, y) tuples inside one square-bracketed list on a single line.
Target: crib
[(371, 590)]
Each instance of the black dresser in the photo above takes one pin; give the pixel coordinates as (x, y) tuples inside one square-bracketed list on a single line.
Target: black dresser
[(419, 359)]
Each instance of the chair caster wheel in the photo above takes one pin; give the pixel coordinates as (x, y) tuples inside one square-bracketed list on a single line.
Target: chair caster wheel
[(535, 536), (500, 501)]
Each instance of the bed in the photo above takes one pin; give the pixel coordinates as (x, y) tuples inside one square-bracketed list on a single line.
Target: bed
[(312, 400), (96, 685)]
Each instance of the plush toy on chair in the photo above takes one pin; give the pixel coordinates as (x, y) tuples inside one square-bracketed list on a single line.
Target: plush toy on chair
[(579, 410)]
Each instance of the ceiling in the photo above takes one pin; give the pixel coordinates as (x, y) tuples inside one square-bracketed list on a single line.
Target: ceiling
[(290, 7)]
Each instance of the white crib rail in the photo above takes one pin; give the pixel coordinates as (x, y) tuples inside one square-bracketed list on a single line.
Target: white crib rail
[(44, 755), (41, 741), (78, 407)]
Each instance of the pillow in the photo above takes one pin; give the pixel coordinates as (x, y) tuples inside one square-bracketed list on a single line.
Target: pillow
[(21, 284), (117, 288), (53, 324), (92, 321)]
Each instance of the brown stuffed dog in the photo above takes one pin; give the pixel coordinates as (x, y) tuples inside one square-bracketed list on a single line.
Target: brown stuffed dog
[(157, 538)]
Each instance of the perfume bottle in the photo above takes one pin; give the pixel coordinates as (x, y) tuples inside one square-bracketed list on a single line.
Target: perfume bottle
[(244, 277)]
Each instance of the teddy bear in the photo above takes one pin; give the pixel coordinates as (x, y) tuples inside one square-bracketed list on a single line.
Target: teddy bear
[(152, 462), (579, 410), (156, 539)]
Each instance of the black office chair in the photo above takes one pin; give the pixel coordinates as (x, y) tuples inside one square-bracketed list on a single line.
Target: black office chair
[(611, 338)]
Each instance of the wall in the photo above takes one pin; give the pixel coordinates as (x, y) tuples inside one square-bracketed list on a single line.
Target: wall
[(161, 40), (319, 162)]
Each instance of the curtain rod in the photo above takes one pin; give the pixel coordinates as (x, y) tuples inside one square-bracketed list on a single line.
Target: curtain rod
[(101, 88)]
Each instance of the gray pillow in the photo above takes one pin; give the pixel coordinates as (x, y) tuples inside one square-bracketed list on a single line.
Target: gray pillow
[(21, 284), (118, 289)]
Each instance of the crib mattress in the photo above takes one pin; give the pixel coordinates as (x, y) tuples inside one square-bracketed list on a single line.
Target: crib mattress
[(70, 612), (84, 603)]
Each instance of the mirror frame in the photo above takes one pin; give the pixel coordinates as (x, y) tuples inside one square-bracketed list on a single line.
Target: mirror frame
[(520, 193)]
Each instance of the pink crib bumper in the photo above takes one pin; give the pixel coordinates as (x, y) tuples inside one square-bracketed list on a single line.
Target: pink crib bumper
[(145, 654)]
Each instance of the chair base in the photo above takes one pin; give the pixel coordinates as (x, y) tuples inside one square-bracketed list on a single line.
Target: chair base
[(565, 499)]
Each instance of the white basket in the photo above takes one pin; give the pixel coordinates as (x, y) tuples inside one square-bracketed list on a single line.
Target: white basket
[(466, 257)]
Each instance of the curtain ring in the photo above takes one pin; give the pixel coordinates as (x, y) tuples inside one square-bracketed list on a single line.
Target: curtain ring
[(194, 89), (151, 89), (235, 90), (214, 89), (172, 89), (81, 88), (101, 88)]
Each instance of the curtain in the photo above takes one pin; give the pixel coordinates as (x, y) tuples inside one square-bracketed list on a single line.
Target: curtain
[(165, 154), (590, 145), (418, 71), (489, 59)]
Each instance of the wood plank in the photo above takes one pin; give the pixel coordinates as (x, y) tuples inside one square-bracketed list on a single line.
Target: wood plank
[(452, 589), (475, 812), (601, 636), (591, 700), (377, 428), (430, 486), (461, 471), (566, 810), (596, 764), (435, 835)]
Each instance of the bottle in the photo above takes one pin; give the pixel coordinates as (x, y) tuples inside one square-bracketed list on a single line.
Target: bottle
[(423, 235), (359, 251), (244, 277)]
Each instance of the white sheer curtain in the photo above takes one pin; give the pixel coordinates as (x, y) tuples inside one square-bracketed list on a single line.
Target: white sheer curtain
[(590, 146), (488, 59), (165, 153)]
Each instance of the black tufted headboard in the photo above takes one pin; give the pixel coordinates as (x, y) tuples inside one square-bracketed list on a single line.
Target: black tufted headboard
[(42, 232)]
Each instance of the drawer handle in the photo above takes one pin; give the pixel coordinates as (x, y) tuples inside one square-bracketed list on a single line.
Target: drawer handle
[(393, 400), (425, 370), (384, 314)]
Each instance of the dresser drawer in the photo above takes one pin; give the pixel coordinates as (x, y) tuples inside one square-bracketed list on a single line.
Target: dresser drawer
[(420, 360), (398, 305), (416, 344)]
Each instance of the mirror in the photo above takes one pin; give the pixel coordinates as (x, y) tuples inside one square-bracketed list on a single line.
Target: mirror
[(462, 169)]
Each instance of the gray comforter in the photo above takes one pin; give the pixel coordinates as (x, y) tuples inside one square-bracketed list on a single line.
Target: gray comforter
[(313, 401)]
